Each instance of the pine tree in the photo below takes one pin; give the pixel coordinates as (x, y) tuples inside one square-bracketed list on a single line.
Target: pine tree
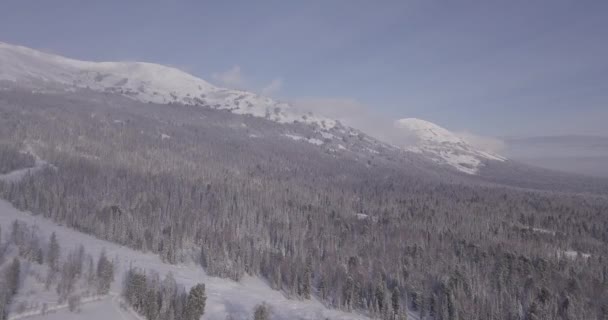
[(135, 289), (395, 299), (452, 315), (151, 305), (203, 261), (195, 305), (533, 312), (348, 293), (415, 300), (380, 295), (105, 274), (12, 277), (53, 252), (261, 312), (322, 287), (16, 232), (3, 302), (306, 282)]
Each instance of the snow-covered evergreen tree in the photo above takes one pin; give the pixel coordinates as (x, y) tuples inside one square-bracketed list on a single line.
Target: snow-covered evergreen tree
[(261, 312), (195, 305), (53, 252), (105, 274), (12, 277)]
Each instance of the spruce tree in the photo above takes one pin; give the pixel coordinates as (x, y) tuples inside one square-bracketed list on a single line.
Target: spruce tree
[(151, 305), (395, 297), (195, 305), (261, 312), (3, 301), (12, 277), (380, 295), (53, 252), (105, 274)]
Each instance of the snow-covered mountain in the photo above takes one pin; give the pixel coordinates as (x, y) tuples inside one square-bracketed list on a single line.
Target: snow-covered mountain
[(154, 83), (146, 82), (445, 147)]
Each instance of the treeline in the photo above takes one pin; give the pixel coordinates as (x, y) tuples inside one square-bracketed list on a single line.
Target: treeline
[(13, 157), (9, 285), (156, 299), (364, 235), (71, 275)]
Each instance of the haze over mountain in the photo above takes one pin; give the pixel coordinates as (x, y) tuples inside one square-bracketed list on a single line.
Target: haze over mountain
[(177, 86), (573, 153), (153, 83), (318, 160), (149, 82), (224, 203)]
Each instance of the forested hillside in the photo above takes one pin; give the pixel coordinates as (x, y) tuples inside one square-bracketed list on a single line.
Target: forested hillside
[(376, 233)]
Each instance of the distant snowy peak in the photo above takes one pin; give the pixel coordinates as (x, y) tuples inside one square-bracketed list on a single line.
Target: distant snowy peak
[(444, 147), (146, 82), (428, 131), (155, 83)]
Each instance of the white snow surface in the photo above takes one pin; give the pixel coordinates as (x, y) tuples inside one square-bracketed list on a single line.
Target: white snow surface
[(107, 308), (572, 254), (149, 82), (142, 81), (223, 296), (314, 141), (445, 147)]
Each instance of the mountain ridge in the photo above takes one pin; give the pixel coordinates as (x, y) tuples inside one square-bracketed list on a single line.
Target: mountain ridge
[(443, 146), (142, 81), (155, 83)]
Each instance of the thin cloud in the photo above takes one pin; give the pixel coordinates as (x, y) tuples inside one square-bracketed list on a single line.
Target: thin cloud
[(484, 143), (235, 78), (273, 87), (357, 115), (232, 77)]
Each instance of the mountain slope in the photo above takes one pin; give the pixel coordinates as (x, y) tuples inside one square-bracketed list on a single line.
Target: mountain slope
[(145, 82), (244, 197), (444, 147), (154, 83)]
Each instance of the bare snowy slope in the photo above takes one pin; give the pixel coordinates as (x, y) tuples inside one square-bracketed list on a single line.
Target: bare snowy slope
[(444, 147), (146, 82)]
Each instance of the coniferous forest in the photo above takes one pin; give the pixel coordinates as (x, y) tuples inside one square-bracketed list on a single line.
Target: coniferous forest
[(374, 233)]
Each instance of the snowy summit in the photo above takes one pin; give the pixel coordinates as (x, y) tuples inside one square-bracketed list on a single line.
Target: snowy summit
[(145, 82), (155, 83), (445, 147)]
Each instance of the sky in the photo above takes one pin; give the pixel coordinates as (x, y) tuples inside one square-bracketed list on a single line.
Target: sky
[(489, 68)]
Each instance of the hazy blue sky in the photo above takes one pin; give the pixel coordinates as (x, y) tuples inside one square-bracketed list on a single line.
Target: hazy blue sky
[(491, 67)]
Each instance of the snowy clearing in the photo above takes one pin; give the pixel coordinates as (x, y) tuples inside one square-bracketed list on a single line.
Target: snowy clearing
[(108, 308), (224, 296)]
